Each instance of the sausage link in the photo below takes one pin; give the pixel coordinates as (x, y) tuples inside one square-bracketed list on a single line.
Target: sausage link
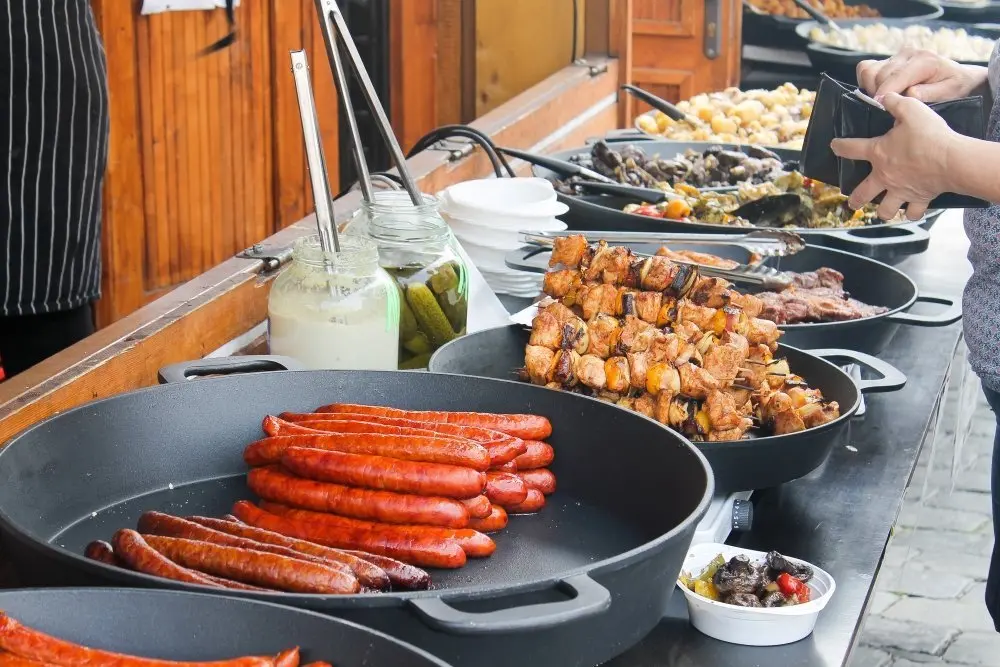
[(289, 658), (237, 585), (409, 448), (230, 518), (510, 466), (478, 507), (274, 484), (102, 551), (503, 488), (384, 473), (473, 543), (531, 427), (165, 525), (502, 447), (369, 574), (30, 644), (422, 550), (539, 455), (137, 554), (404, 577), (256, 567), (533, 503), (497, 520), (539, 478)]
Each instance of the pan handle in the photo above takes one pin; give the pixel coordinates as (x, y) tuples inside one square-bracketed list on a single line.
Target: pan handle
[(951, 314), (589, 598), (891, 380), (913, 239), (260, 363)]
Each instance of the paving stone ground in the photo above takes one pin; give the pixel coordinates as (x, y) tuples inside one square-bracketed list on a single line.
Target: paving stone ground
[(928, 607)]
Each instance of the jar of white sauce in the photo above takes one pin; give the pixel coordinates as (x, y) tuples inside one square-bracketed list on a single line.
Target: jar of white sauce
[(335, 310)]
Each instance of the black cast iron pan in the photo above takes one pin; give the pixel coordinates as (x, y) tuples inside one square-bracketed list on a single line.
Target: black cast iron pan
[(176, 625), (971, 12), (575, 584), (889, 243), (757, 463), (866, 280), (779, 31)]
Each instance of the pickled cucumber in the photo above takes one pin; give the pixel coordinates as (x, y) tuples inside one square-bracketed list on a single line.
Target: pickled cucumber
[(407, 322), (419, 361), (443, 279), (432, 320), (417, 344)]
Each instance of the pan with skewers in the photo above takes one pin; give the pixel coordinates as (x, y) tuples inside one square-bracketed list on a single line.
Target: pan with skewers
[(823, 221)]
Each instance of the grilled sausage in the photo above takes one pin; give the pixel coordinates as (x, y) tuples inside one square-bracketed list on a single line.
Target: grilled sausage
[(473, 543), (539, 455), (138, 555), (368, 573), (100, 550), (534, 502), (410, 448), (289, 658), (383, 473), (30, 644), (478, 507), (165, 525), (497, 520), (539, 478), (274, 484), (11, 660), (503, 488), (404, 577), (256, 567), (532, 427), (422, 550), (510, 466)]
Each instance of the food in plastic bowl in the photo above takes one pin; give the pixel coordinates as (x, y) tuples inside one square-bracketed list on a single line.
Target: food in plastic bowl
[(761, 599)]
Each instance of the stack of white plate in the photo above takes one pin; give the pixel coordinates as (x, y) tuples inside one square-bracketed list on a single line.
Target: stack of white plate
[(487, 215)]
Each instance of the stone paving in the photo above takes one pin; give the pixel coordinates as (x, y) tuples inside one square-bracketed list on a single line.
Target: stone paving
[(928, 607)]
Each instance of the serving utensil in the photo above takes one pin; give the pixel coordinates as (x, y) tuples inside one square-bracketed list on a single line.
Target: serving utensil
[(666, 107), (818, 15), (764, 242), (561, 167)]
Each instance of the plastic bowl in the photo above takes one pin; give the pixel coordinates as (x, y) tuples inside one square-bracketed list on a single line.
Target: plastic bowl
[(502, 199), (751, 626)]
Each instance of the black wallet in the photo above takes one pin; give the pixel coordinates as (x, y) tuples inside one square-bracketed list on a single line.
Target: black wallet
[(840, 113)]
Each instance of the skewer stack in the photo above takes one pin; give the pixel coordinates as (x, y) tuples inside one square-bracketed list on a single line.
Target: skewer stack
[(655, 336)]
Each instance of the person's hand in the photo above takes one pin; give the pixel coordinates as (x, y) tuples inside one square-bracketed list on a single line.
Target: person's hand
[(909, 162), (921, 74)]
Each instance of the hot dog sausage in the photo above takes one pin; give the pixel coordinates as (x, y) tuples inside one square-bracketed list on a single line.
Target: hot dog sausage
[(410, 448), (473, 543), (368, 573), (532, 427), (478, 507), (387, 474), (404, 577), (510, 466), (502, 447), (539, 478), (34, 645), (289, 658), (11, 660), (533, 503), (100, 550), (423, 550), (138, 555), (237, 585), (539, 455), (165, 525), (255, 567), (497, 520), (274, 484), (503, 488)]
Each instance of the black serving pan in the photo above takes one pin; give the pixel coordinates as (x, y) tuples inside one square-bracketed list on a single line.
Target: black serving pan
[(888, 243), (967, 12), (177, 625), (779, 31), (743, 465), (866, 280), (576, 584), (842, 64)]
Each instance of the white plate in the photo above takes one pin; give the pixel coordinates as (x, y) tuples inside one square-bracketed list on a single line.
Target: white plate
[(751, 626)]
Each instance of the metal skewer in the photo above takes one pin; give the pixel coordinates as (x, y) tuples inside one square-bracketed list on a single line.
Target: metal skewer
[(333, 25), (328, 238)]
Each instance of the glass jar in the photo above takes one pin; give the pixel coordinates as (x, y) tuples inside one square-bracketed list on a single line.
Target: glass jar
[(416, 247), (336, 310)]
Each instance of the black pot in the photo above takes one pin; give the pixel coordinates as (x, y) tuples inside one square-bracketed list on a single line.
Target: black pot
[(576, 584), (755, 463)]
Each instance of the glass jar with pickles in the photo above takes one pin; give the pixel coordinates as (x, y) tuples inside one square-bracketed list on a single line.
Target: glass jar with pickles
[(417, 249)]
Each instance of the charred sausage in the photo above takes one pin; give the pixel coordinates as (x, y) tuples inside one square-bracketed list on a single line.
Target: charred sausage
[(532, 427), (539, 478), (539, 455), (274, 484), (410, 448), (504, 488), (387, 474), (497, 520), (534, 502), (102, 551), (138, 555), (404, 577)]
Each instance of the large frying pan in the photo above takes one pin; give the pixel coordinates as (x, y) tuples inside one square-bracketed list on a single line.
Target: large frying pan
[(757, 463), (866, 280), (175, 625), (889, 243), (576, 584)]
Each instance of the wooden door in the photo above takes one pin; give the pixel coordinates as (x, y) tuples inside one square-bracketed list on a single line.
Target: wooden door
[(684, 47)]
